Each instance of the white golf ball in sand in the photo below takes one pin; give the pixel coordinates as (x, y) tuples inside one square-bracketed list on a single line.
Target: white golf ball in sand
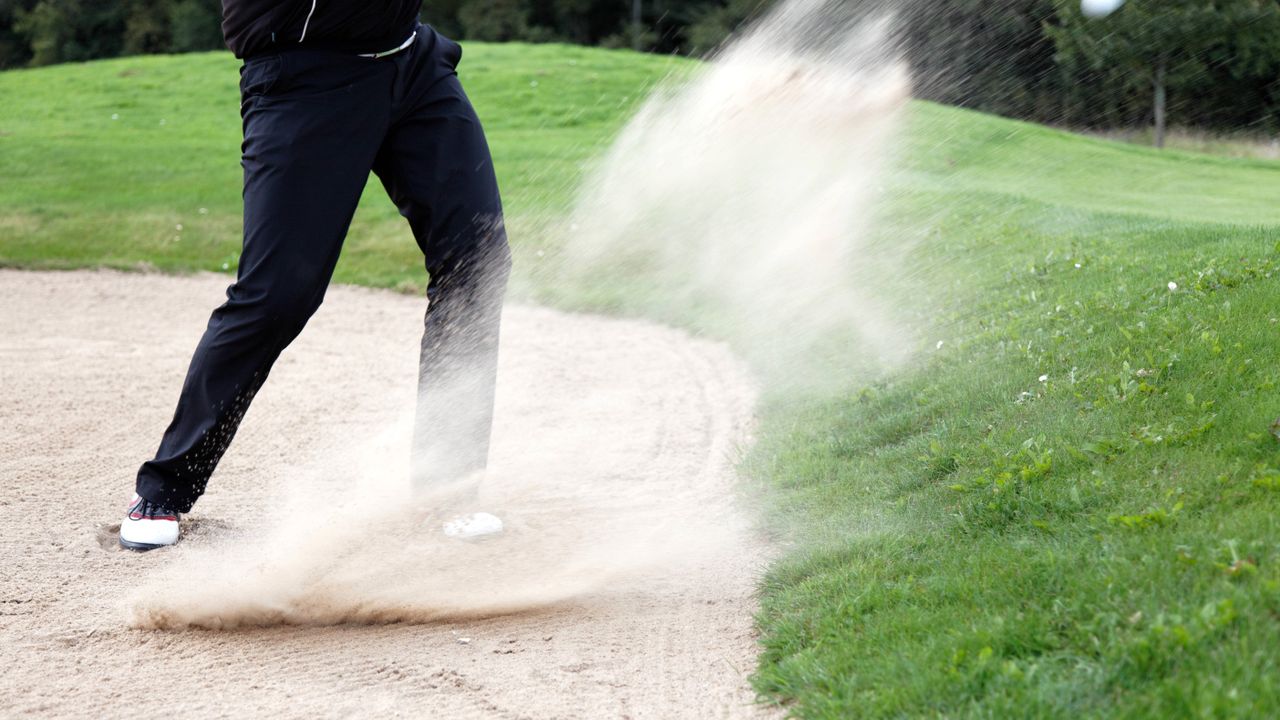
[(1099, 8)]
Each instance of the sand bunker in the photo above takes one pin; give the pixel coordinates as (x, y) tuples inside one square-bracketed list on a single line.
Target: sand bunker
[(623, 589)]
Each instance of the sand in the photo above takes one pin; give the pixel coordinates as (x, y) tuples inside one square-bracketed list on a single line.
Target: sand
[(624, 589)]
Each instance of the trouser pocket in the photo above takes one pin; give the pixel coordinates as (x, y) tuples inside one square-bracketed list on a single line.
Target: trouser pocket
[(259, 76)]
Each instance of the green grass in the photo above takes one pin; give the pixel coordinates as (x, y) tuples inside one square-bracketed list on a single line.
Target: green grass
[(101, 162), (1229, 144), (1068, 508)]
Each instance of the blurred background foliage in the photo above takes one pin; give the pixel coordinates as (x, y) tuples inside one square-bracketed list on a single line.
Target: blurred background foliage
[(1212, 64)]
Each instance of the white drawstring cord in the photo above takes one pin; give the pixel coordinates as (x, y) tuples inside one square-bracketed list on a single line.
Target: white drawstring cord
[(394, 50), (307, 22)]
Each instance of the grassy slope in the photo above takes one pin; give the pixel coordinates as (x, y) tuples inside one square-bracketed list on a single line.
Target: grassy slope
[(77, 187), (972, 540), (1102, 541)]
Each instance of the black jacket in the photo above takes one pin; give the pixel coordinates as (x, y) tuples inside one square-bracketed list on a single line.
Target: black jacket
[(254, 27)]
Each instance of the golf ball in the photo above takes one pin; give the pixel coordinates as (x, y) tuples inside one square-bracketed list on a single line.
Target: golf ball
[(1099, 8)]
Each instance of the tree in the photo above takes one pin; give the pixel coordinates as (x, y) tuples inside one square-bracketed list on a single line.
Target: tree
[(15, 51), (46, 30), (494, 20), (195, 25), (712, 24), (991, 55), (71, 30), (1156, 44), (1243, 89), (146, 27)]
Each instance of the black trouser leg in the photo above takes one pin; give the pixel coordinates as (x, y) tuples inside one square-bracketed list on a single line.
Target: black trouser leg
[(435, 165), (313, 124)]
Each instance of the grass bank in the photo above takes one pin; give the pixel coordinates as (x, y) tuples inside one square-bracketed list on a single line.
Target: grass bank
[(134, 163), (1065, 504)]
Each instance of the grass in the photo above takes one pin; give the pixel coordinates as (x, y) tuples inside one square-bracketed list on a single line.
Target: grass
[(1237, 145), (101, 163), (1069, 506), (1066, 505)]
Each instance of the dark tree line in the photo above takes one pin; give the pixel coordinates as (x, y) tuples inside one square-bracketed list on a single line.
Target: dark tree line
[(1207, 63), (42, 32)]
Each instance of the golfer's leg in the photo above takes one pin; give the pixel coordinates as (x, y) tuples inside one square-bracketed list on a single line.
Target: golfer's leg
[(436, 167), (305, 164)]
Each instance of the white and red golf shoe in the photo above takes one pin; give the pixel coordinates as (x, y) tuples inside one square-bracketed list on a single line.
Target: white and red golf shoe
[(148, 526)]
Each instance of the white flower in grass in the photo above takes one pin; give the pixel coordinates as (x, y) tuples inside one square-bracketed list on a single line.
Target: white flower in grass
[(1172, 286)]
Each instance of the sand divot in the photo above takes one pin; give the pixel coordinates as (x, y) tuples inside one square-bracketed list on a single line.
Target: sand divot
[(623, 586)]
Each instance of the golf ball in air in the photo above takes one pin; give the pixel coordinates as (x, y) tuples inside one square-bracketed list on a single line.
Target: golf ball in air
[(1099, 8)]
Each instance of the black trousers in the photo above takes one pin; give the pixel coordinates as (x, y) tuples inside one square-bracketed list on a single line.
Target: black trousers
[(315, 124)]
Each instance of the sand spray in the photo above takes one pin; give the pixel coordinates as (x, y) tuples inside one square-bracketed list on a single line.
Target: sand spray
[(744, 192), (605, 484)]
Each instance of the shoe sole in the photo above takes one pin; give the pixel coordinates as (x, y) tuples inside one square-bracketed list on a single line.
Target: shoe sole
[(139, 547)]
